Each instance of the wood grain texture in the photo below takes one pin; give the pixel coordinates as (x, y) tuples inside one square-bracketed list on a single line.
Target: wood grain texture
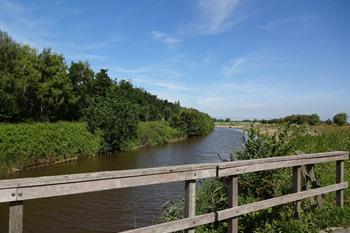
[(340, 178), (233, 202), (16, 217)]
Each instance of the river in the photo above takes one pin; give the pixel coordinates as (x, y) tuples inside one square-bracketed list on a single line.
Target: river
[(121, 209)]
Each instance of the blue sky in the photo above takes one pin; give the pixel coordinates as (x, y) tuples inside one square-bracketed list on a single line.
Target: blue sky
[(230, 58)]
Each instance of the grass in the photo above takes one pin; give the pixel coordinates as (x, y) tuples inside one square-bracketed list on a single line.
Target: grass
[(28, 144)]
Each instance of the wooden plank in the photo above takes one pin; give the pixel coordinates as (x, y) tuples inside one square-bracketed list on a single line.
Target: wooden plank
[(282, 158), (256, 206), (16, 217), (42, 191), (297, 188), (190, 201), (274, 165), (233, 202), (340, 179), (82, 177), (176, 225)]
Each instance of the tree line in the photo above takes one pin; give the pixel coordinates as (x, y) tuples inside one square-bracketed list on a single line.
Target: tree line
[(300, 119), (40, 86)]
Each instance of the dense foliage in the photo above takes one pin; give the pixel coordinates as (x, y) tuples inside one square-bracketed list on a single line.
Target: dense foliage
[(40, 86), (193, 122), (299, 119), (212, 196), (341, 118), (27, 144)]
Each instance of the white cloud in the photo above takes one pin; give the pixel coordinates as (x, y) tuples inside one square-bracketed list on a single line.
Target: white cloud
[(232, 67), (216, 14), (170, 41), (300, 21)]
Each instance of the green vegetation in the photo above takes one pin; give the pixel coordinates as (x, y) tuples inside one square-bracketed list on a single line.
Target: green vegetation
[(155, 133), (212, 196), (341, 119), (193, 122), (41, 87), (27, 144)]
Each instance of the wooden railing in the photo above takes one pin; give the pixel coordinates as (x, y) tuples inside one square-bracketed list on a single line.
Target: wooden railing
[(16, 191)]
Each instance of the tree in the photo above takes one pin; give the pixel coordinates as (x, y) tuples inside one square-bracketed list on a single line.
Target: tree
[(55, 90), (117, 120), (102, 84), (81, 77), (340, 119), (329, 122)]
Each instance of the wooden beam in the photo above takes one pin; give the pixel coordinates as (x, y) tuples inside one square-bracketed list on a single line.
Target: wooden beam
[(228, 171), (176, 225), (190, 201), (260, 205), (340, 179), (16, 217), (297, 188), (41, 191), (233, 202)]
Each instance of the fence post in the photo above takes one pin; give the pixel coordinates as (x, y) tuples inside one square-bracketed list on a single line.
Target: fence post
[(190, 201), (233, 201), (16, 217), (339, 179), (297, 188)]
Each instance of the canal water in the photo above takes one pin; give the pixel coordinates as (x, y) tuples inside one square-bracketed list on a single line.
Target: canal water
[(121, 209)]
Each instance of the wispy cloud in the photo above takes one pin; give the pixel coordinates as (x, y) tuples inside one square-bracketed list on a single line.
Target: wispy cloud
[(300, 21), (168, 85), (213, 17), (169, 40), (216, 14), (233, 67)]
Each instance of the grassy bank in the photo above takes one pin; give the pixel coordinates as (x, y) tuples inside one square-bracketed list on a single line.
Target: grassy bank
[(213, 195), (156, 133), (28, 144)]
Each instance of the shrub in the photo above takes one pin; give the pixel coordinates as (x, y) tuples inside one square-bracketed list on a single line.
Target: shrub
[(26, 144)]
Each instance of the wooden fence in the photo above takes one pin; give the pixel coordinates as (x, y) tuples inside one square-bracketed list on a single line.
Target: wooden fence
[(16, 191)]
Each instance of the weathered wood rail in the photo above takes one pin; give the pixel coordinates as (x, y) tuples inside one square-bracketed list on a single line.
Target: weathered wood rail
[(16, 191)]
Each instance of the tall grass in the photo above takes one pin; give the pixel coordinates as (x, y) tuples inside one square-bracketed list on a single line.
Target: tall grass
[(26, 144)]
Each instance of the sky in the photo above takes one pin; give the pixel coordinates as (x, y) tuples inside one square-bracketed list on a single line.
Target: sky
[(242, 59)]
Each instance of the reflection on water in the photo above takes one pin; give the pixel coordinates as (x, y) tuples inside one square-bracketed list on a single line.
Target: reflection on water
[(121, 209)]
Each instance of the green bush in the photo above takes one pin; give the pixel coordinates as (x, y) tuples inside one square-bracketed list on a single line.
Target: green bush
[(157, 132), (117, 120), (26, 144), (193, 122)]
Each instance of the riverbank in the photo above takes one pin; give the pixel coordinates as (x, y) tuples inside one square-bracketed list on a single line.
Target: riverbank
[(29, 145)]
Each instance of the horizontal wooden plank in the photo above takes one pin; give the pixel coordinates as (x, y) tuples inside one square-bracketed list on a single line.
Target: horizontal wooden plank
[(274, 165), (72, 178), (42, 191), (176, 225), (256, 206), (239, 163)]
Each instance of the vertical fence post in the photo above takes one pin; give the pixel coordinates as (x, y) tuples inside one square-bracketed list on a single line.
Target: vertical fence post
[(16, 217), (233, 201), (339, 179), (190, 201), (297, 188)]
